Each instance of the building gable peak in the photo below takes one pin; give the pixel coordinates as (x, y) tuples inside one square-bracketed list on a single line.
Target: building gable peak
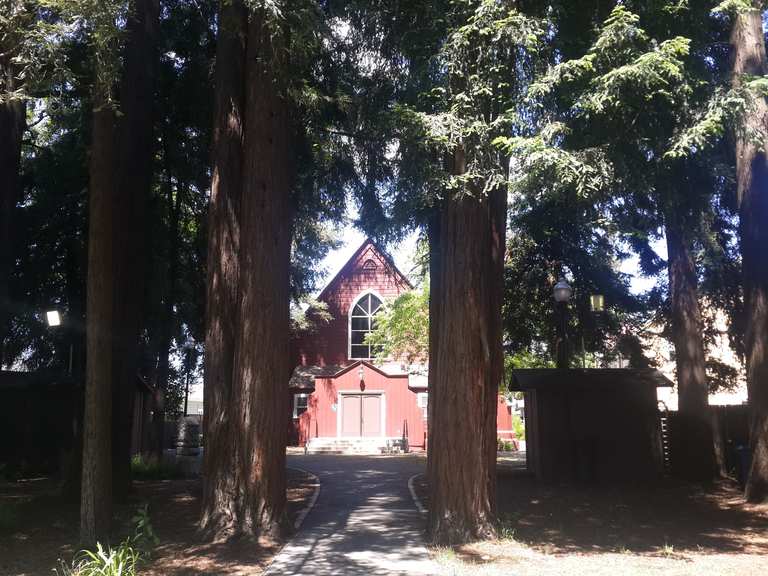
[(369, 258)]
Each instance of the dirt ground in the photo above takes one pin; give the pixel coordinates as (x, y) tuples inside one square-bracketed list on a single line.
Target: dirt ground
[(670, 528), (38, 527)]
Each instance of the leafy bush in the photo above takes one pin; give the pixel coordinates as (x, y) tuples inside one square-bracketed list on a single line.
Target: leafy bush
[(121, 561), (124, 560), (145, 467), (504, 445), (518, 426)]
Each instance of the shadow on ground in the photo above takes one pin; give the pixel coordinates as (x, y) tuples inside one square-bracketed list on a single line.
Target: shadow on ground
[(364, 523), (38, 526), (665, 518), (175, 509)]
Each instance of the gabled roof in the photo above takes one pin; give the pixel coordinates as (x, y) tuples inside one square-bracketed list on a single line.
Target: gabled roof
[(303, 377), (346, 269), (532, 378)]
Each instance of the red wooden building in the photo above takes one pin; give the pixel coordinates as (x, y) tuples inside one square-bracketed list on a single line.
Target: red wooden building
[(343, 397)]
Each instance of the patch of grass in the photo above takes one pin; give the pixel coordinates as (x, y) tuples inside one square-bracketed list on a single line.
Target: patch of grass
[(124, 560), (506, 531), (446, 554), (507, 525), (145, 467)]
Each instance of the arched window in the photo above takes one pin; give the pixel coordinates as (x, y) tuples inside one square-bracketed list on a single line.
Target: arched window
[(361, 322)]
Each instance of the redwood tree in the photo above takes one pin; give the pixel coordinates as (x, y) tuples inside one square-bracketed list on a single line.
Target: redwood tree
[(220, 490), (245, 483), (261, 354), (487, 57), (12, 125), (465, 376), (749, 60), (697, 461), (133, 180), (96, 492)]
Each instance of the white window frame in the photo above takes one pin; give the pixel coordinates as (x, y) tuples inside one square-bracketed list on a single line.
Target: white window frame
[(296, 404), (357, 299)]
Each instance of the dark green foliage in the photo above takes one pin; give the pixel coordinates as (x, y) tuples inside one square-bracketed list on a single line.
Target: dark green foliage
[(147, 467)]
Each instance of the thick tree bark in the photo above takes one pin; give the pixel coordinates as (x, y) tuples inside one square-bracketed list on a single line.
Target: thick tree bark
[(134, 181), (12, 124), (749, 57), (96, 492), (465, 375), (220, 490), (697, 461), (433, 233), (262, 355), (497, 204)]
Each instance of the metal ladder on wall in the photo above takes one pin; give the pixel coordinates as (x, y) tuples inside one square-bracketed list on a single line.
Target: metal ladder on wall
[(665, 441)]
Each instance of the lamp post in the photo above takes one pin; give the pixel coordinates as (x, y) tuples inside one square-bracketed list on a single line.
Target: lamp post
[(53, 319), (562, 293)]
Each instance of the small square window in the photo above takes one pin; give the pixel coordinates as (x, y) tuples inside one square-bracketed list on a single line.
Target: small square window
[(361, 352), (300, 404), (358, 337)]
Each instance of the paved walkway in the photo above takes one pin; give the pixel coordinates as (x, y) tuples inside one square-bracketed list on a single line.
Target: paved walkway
[(364, 522)]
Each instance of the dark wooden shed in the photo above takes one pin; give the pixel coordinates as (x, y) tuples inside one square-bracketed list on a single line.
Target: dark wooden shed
[(42, 417), (592, 424)]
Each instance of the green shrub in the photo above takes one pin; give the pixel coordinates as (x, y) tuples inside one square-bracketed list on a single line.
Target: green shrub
[(124, 560), (145, 467), (504, 445), (121, 561), (518, 426)]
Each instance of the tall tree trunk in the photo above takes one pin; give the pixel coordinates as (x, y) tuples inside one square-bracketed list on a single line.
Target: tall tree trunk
[(433, 233), (96, 492), (261, 355), (220, 491), (749, 57), (134, 179), (167, 316), (497, 205), (12, 124), (469, 344), (697, 461)]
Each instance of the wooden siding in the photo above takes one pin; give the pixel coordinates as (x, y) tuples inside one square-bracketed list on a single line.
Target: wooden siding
[(402, 416), (504, 420), (329, 344), (367, 270)]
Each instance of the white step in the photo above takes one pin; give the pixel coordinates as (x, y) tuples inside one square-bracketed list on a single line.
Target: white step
[(351, 445)]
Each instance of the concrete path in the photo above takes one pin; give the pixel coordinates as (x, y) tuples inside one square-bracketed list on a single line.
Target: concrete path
[(364, 522)]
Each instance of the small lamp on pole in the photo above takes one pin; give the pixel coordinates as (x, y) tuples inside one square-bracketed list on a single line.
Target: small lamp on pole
[(562, 293), (53, 319)]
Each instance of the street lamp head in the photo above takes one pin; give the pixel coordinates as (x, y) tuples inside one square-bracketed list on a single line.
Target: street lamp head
[(562, 291), (53, 318), (597, 302)]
